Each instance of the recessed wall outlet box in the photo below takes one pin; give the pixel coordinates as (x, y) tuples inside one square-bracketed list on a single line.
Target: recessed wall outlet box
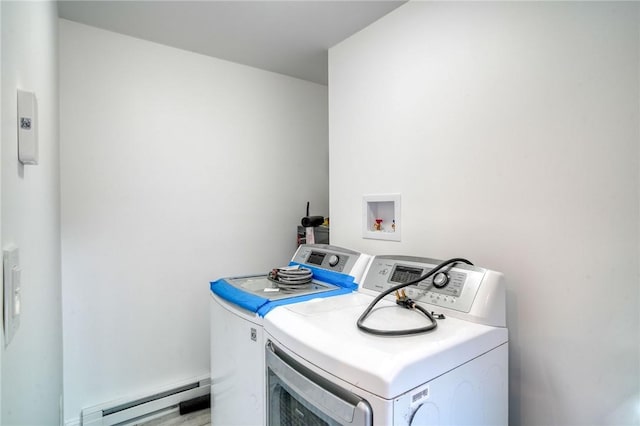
[(381, 217), (27, 128), (12, 292)]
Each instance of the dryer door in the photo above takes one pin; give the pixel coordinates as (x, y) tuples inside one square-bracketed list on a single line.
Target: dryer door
[(298, 396)]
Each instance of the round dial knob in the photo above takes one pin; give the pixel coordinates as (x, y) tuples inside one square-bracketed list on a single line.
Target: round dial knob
[(333, 260), (440, 280)]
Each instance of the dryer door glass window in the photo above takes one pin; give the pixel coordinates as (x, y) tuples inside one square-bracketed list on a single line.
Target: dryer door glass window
[(298, 397), (287, 408)]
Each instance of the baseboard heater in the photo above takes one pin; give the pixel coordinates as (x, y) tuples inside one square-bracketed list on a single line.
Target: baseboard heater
[(134, 410)]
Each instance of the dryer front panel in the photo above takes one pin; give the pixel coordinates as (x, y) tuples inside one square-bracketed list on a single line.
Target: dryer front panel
[(298, 396)]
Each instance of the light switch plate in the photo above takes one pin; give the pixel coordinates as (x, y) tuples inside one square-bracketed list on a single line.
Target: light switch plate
[(12, 292), (27, 128)]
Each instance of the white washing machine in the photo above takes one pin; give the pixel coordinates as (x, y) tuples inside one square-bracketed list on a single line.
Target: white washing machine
[(322, 369), (238, 306)]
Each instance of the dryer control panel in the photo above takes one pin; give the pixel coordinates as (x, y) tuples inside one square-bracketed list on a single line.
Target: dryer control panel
[(454, 287)]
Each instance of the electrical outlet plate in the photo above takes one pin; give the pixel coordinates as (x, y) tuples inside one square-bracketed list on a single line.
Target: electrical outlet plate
[(12, 288), (27, 128)]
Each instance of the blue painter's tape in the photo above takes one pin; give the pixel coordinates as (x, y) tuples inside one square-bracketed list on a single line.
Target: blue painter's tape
[(335, 278), (262, 306), (264, 309), (245, 300)]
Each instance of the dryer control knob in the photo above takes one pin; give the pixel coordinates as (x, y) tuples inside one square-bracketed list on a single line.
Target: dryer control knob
[(440, 280), (333, 260)]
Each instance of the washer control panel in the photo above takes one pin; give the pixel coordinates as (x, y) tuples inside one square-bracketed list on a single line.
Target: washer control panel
[(453, 287), (327, 257)]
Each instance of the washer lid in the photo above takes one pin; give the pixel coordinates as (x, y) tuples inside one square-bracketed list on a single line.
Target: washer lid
[(324, 332), (260, 285), (250, 293)]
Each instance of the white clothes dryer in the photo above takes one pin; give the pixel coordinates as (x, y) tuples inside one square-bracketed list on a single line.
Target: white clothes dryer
[(324, 370), (238, 306)]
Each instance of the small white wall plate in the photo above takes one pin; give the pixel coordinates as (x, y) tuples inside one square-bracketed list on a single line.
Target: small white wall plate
[(381, 217), (27, 128), (12, 289)]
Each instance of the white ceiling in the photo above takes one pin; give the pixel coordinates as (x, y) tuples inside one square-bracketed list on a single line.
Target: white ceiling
[(287, 37)]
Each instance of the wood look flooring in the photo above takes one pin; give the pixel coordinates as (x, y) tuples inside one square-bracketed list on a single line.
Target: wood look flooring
[(173, 418)]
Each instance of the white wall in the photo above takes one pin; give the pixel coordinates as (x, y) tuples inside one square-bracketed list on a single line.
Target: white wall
[(177, 169), (32, 363), (512, 133), (1, 279)]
